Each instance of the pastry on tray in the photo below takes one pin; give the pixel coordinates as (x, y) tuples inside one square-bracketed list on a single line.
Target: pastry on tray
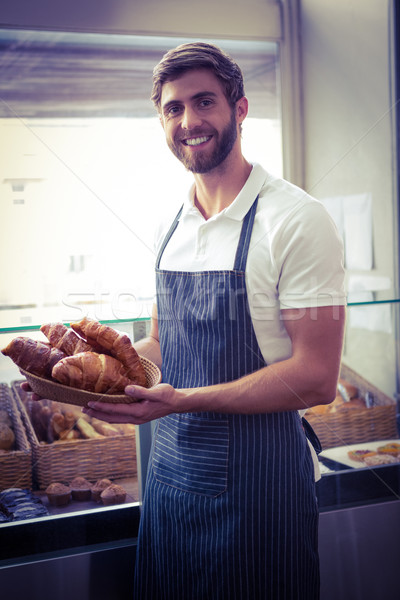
[(81, 489), (113, 494), (58, 494), (98, 488)]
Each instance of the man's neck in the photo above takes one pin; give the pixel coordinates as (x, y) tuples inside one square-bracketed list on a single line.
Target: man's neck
[(216, 190)]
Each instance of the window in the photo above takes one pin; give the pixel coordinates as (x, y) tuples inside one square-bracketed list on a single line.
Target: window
[(85, 171)]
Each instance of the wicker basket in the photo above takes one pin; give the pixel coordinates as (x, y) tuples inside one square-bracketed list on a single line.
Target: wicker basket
[(52, 390), (15, 465), (357, 426), (108, 457)]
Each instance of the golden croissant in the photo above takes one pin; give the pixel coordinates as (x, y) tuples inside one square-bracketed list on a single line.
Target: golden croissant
[(33, 356), (64, 338), (107, 340), (93, 372)]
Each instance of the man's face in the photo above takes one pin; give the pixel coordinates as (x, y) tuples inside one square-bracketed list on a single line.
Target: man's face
[(201, 127)]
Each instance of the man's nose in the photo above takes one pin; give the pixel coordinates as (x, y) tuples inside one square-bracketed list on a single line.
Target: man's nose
[(190, 118)]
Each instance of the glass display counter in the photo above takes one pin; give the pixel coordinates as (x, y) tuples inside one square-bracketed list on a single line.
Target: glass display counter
[(360, 438), (32, 525), (370, 368)]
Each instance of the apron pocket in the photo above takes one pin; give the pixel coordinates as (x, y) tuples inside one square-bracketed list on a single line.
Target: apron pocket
[(191, 453)]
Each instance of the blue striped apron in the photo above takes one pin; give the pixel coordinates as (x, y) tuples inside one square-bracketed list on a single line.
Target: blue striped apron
[(229, 511)]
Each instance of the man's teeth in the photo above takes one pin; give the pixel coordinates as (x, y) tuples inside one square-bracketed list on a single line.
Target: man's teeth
[(196, 141)]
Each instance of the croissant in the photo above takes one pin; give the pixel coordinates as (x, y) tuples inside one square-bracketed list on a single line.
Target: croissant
[(33, 356), (92, 372), (112, 342), (64, 338)]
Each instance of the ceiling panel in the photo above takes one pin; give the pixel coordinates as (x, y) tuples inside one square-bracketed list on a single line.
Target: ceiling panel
[(53, 74)]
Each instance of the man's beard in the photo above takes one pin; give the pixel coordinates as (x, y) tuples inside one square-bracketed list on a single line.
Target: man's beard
[(203, 162)]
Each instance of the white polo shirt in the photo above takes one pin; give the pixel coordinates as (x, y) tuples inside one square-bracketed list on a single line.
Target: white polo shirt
[(295, 257)]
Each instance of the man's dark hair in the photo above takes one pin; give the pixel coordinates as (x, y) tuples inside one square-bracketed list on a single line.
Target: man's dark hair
[(198, 55)]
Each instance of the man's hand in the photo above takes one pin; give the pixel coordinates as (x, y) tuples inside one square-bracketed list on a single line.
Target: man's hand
[(147, 405), (27, 388)]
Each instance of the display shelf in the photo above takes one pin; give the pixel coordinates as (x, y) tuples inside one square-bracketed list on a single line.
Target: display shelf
[(340, 487), (36, 327)]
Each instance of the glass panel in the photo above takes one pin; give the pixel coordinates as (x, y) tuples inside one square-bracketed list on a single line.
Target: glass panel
[(84, 172), (80, 148), (359, 431)]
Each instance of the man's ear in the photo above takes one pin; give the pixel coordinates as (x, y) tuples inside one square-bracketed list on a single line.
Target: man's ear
[(242, 108), (160, 118)]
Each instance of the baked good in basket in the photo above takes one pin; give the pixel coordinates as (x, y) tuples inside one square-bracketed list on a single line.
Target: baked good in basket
[(65, 339), (107, 340), (33, 356), (92, 372), (7, 437), (5, 417)]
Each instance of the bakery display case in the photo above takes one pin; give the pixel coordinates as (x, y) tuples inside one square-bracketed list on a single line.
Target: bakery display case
[(359, 432), (53, 534), (66, 480), (53, 442)]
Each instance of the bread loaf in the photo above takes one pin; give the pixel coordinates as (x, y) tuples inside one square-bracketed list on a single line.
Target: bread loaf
[(105, 428), (87, 430)]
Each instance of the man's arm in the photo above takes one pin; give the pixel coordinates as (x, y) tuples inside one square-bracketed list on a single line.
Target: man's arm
[(149, 347), (307, 378)]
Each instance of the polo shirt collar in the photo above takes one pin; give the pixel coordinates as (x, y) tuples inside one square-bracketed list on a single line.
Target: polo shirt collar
[(241, 204)]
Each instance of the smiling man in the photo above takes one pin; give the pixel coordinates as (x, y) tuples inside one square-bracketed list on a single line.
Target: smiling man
[(188, 117), (248, 330)]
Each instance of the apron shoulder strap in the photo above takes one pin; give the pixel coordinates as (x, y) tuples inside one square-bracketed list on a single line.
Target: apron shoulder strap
[(244, 240), (168, 236)]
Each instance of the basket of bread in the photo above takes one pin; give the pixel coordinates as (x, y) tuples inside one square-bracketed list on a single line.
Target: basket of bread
[(359, 413), (87, 361), (15, 451), (76, 364)]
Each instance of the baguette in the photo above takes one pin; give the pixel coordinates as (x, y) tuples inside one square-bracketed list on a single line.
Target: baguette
[(87, 430)]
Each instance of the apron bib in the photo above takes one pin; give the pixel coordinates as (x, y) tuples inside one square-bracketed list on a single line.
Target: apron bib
[(229, 509)]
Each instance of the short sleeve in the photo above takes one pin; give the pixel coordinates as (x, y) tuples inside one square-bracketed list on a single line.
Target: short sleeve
[(310, 255)]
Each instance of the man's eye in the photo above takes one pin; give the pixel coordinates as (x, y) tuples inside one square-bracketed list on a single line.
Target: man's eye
[(173, 110), (205, 103)]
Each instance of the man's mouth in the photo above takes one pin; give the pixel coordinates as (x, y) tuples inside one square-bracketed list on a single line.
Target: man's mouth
[(196, 141)]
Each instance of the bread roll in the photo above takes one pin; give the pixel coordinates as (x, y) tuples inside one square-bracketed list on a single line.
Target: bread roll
[(7, 437)]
